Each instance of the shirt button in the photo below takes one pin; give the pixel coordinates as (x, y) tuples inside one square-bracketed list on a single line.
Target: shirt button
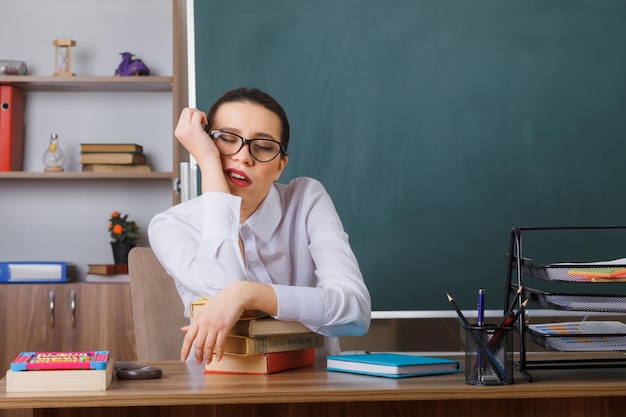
[(233, 217), (245, 228)]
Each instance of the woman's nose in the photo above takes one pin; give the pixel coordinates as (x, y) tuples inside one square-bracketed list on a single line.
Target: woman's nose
[(244, 154)]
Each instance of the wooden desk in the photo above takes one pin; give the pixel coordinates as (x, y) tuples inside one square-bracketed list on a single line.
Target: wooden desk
[(312, 391)]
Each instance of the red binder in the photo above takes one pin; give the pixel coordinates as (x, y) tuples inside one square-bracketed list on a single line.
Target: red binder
[(11, 128)]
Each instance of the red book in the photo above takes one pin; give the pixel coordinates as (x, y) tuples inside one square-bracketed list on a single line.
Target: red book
[(107, 269), (263, 364), (11, 128)]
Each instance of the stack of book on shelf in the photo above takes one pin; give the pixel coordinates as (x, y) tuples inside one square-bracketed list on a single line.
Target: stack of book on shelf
[(260, 344), (107, 273), (113, 157), (60, 371)]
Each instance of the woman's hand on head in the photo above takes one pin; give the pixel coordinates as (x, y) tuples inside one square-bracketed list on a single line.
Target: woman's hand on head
[(190, 133)]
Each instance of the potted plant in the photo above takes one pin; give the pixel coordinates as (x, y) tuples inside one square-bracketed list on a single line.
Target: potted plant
[(124, 236)]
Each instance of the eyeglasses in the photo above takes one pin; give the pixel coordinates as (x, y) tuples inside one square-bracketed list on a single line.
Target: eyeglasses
[(263, 150)]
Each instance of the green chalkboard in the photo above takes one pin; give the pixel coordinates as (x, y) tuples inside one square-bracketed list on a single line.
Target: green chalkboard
[(438, 125)]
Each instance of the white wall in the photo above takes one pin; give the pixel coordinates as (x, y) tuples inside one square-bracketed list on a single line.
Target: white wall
[(101, 29), (67, 220)]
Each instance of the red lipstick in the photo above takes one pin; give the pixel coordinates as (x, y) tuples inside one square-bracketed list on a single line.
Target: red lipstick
[(237, 178)]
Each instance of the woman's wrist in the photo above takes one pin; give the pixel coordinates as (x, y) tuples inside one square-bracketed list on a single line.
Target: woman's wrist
[(212, 174), (257, 296)]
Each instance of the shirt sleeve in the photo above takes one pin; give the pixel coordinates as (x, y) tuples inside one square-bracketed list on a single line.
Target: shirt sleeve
[(197, 243)]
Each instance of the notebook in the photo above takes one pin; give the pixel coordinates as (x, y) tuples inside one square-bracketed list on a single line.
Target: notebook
[(392, 365)]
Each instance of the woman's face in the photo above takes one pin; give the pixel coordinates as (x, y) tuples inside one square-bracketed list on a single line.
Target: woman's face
[(247, 177)]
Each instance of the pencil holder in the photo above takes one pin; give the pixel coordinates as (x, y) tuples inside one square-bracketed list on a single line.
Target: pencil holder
[(488, 355)]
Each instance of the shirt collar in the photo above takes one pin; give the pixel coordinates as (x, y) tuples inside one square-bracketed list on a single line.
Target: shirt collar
[(266, 217)]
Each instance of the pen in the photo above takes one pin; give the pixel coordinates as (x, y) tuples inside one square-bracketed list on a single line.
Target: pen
[(480, 322), (481, 307)]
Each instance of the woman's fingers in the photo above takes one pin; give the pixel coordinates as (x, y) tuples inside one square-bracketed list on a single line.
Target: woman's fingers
[(190, 334), (209, 346), (219, 345)]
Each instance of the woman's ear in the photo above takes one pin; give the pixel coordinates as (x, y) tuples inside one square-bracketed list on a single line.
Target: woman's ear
[(281, 166)]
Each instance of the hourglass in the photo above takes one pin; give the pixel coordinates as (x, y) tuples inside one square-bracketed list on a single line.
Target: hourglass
[(63, 59)]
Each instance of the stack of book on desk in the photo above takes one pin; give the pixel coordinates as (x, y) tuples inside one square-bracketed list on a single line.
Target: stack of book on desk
[(113, 157), (259, 344)]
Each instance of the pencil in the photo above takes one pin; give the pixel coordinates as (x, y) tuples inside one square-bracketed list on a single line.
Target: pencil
[(458, 311), (511, 319), (509, 311), (508, 321)]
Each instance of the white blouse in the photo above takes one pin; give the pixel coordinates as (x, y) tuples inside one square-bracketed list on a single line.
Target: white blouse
[(294, 241)]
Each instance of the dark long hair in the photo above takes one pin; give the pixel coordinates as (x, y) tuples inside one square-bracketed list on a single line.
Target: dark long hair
[(253, 95)]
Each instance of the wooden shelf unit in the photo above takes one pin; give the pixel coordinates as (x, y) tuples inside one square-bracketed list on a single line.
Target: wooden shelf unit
[(85, 176), (89, 83), (96, 84)]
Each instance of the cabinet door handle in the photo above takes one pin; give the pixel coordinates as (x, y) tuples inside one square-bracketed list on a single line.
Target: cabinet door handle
[(73, 307), (51, 309)]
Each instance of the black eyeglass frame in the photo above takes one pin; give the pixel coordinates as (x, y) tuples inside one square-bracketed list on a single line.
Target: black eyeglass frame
[(244, 141)]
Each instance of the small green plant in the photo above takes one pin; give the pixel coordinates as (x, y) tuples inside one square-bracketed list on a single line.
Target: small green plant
[(122, 229)]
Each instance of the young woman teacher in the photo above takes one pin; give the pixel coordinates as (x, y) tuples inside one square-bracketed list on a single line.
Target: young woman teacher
[(249, 243)]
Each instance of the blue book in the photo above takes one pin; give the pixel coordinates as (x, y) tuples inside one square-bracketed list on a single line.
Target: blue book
[(392, 365), (26, 272)]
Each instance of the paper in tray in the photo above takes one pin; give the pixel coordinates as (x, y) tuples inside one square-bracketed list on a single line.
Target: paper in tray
[(41, 361), (580, 336), (602, 271)]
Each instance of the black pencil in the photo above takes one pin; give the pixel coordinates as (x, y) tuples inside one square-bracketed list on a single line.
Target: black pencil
[(509, 311), (458, 311), (508, 321), (517, 313)]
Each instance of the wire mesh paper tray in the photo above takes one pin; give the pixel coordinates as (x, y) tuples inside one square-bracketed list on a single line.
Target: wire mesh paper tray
[(604, 271), (604, 303), (579, 342)]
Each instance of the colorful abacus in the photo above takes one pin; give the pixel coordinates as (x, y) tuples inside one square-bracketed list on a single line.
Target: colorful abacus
[(36, 361)]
